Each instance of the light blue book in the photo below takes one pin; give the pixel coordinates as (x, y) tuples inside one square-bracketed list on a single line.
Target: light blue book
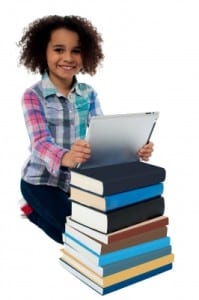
[(114, 201), (118, 255), (118, 266), (133, 196)]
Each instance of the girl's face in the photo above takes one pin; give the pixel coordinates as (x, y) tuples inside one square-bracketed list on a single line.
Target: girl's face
[(63, 56)]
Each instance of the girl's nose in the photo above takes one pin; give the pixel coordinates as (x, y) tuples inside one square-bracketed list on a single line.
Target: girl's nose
[(68, 56)]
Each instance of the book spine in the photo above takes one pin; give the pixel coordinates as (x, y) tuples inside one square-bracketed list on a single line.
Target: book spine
[(136, 279), (127, 184), (135, 240), (134, 214), (133, 196), (108, 258), (115, 236)]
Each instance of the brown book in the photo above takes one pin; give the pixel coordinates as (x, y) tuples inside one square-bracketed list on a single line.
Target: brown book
[(121, 234), (102, 248)]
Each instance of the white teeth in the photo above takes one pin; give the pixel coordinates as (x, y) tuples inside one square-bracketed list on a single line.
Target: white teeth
[(67, 68)]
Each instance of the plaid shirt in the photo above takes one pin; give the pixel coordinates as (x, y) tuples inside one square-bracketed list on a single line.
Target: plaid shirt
[(54, 123)]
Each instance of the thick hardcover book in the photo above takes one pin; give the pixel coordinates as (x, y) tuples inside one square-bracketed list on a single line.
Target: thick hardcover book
[(121, 234), (118, 178), (119, 218), (107, 203), (117, 255), (118, 265), (101, 248), (117, 286), (105, 281)]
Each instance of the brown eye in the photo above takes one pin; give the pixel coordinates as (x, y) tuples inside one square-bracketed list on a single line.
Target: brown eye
[(59, 50), (77, 51)]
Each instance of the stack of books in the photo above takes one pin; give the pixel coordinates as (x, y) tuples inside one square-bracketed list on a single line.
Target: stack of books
[(117, 232)]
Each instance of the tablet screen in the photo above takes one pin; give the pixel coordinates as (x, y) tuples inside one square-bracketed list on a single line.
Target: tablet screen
[(117, 138)]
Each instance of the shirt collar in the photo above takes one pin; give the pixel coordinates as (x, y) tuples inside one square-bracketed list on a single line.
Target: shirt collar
[(49, 88)]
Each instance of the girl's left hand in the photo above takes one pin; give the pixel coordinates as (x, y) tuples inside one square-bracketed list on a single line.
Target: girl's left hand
[(146, 151)]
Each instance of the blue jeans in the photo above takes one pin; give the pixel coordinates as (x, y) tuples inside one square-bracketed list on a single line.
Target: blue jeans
[(50, 207)]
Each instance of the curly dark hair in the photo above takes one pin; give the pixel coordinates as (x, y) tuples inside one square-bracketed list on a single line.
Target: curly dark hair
[(37, 35)]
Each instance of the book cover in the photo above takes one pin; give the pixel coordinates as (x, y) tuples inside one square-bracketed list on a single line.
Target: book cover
[(117, 286), (102, 248), (105, 281), (117, 255), (121, 233), (118, 265), (119, 218), (118, 178), (111, 202)]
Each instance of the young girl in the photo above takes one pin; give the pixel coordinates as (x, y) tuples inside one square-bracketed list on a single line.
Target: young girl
[(57, 110)]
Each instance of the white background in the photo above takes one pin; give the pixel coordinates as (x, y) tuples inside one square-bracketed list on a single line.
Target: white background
[(151, 63)]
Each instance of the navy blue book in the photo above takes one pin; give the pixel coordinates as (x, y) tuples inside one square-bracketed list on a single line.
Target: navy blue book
[(107, 180)]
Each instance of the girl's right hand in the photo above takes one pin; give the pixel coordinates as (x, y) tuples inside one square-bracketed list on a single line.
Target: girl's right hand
[(80, 152)]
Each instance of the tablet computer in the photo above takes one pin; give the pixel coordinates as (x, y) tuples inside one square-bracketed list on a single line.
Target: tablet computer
[(116, 139)]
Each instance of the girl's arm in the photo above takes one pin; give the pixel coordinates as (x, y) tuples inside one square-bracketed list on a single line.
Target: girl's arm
[(43, 145)]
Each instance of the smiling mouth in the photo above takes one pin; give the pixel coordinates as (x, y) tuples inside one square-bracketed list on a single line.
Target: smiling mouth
[(67, 68)]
